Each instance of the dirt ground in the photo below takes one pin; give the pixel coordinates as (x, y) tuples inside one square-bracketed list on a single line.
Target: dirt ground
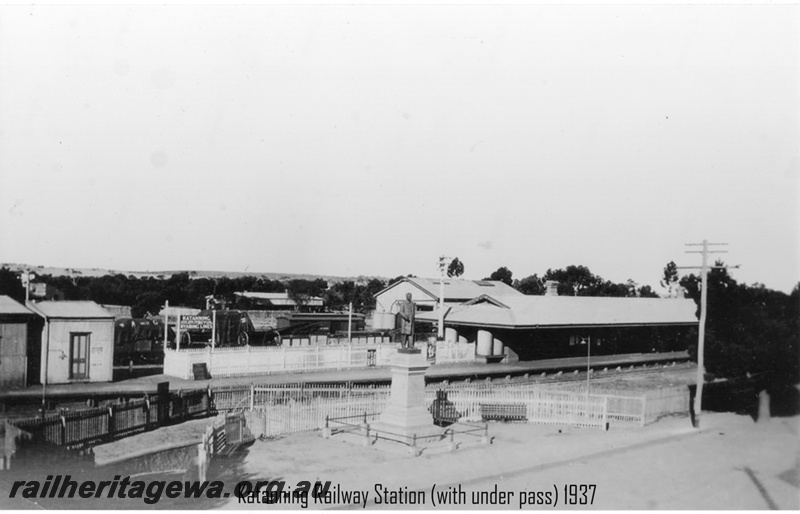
[(731, 463)]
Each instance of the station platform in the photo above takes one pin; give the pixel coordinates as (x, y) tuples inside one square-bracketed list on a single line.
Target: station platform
[(138, 387)]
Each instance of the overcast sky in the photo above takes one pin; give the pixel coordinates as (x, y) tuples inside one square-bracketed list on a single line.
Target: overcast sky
[(370, 140)]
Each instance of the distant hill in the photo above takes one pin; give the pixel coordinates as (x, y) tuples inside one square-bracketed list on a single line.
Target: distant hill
[(98, 272)]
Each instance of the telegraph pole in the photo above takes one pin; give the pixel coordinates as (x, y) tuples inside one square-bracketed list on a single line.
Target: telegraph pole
[(701, 335)]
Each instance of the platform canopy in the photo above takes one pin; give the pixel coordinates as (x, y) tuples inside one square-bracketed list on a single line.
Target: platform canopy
[(532, 312)]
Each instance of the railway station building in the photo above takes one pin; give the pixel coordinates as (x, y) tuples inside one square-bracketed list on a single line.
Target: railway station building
[(528, 327)]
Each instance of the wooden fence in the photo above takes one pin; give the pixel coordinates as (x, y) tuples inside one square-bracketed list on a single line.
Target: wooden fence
[(89, 427)]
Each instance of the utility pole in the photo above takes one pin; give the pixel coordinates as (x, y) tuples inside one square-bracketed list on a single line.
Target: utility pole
[(25, 278), (443, 263), (701, 333)]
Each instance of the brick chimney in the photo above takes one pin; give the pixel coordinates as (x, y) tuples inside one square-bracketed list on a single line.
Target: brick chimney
[(551, 288)]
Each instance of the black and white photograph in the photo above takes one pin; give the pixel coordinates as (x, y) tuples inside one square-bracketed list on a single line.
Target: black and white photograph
[(433, 256)]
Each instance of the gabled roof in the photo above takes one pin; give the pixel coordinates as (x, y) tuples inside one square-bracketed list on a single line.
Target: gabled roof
[(71, 310), (570, 311), (456, 289), (10, 306)]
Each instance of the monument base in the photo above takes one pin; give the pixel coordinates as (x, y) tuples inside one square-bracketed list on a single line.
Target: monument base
[(406, 415)]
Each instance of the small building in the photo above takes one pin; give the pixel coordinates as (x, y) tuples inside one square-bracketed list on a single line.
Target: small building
[(77, 342), (15, 321), (425, 292), (42, 291), (275, 301), (119, 311)]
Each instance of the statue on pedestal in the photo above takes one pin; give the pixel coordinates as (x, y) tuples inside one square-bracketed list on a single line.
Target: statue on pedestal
[(406, 312)]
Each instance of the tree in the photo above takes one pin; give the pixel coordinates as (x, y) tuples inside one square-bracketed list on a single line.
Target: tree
[(10, 285), (300, 290), (577, 281), (749, 329), (670, 274), (502, 274), (669, 280), (530, 285), (455, 269), (362, 296)]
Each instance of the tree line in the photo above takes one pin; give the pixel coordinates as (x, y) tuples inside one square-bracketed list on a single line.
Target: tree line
[(147, 294)]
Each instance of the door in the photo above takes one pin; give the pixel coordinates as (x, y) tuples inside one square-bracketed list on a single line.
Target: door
[(78, 356), (13, 361)]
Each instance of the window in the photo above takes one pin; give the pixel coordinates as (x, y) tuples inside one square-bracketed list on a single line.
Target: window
[(78, 356)]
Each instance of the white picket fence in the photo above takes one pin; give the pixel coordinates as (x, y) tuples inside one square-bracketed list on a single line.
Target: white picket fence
[(255, 360), (274, 410), (304, 416), (533, 405)]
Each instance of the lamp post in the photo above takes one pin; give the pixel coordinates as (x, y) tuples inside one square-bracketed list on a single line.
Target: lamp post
[(588, 342)]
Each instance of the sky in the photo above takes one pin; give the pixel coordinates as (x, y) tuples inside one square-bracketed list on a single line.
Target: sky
[(372, 139)]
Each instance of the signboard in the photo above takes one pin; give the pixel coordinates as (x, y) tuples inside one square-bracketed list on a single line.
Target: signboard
[(196, 323), (431, 351)]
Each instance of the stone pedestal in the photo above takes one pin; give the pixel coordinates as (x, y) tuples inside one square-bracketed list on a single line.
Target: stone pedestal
[(406, 414)]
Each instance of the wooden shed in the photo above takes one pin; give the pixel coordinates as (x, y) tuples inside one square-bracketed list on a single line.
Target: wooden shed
[(77, 342), (14, 325)]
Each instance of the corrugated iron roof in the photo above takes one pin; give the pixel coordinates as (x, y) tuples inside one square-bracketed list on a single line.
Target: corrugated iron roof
[(458, 289), (279, 299), (175, 310), (561, 311), (9, 305), (71, 309)]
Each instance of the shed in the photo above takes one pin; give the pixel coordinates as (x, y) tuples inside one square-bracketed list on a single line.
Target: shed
[(15, 321), (77, 342), (276, 301)]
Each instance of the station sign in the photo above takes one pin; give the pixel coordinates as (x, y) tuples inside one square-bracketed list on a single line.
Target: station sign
[(196, 323)]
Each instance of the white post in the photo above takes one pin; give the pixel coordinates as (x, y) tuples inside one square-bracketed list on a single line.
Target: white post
[(27, 286), (178, 333), (213, 329), (46, 363), (588, 359), (440, 331), (350, 325), (166, 322)]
